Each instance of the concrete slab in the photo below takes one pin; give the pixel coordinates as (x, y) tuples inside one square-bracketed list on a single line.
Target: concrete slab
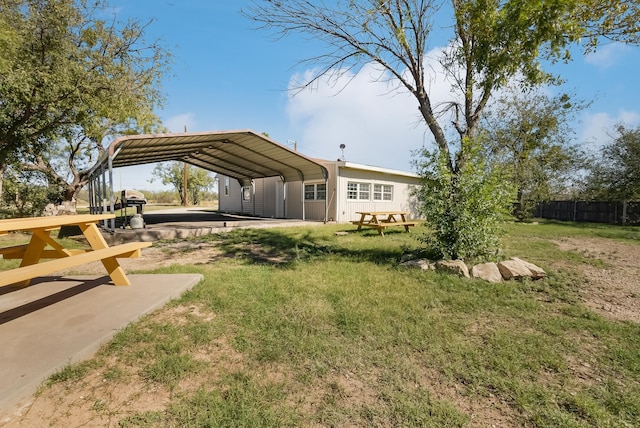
[(57, 321), (182, 223)]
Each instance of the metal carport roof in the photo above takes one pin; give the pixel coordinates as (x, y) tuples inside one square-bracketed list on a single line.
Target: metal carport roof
[(244, 154)]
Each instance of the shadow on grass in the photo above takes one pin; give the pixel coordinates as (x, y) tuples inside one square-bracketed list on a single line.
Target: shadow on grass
[(283, 247)]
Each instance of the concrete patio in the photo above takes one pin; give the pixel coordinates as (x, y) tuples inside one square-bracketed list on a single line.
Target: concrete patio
[(61, 320)]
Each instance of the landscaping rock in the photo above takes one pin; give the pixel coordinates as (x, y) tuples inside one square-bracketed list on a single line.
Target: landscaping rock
[(487, 271), (453, 266), (423, 264), (66, 208), (513, 269), (536, 272), (406, 257)]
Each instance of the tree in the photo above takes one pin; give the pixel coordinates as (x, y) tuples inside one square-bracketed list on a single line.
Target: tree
[(493, 43), (615, 173), (198, 179), (8, 41), (73, 79), (529, 137), (611, 20)]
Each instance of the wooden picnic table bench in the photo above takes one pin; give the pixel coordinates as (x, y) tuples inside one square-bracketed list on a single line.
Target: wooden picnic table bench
[(40, 228), (380, 220)]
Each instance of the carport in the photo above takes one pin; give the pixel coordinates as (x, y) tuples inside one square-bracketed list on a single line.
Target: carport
[(243, 155)]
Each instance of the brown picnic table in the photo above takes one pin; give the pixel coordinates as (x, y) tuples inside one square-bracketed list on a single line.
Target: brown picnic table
[(43, 246), (380, 220)]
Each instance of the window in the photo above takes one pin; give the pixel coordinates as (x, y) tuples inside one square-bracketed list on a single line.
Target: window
[(352, 190), (246, 193), (382, 192), (226, 186), (309, 192), (358, 191), (315, 192), (321, 191)]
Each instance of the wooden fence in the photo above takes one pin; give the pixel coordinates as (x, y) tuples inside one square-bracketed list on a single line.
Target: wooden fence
[(595, 212)]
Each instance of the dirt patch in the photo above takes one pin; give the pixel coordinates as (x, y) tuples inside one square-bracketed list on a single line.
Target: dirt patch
[(613, 281), (159, 255), (116, 390)]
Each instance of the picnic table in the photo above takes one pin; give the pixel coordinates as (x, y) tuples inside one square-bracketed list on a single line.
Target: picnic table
[(382, 219), (43, 246)]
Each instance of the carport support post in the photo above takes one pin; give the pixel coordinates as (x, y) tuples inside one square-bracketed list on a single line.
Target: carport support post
[(284, 197), (326, 203), (104, 189), (90, 190), (112, 202), (303, 201)]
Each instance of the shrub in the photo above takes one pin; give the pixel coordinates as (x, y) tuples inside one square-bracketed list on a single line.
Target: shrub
[(465, 208), (26, 193)]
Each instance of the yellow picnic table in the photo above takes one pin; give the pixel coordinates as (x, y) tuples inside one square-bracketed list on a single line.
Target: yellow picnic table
[(382, 219), (37, 249)]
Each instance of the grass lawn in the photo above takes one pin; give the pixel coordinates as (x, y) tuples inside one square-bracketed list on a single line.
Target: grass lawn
[(300, 327)]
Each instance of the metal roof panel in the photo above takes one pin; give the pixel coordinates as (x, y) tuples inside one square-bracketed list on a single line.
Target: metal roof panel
[(243, 154)]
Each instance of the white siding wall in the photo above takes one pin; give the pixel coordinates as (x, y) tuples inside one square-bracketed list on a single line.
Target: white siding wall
[(269, 197), (314, 210), (257, 199), (294, 199), (401, 201), (232, 201)]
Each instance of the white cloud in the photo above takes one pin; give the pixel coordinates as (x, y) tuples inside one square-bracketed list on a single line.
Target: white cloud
[(598, 127), (379, 124), (607, 55), (178, 122)]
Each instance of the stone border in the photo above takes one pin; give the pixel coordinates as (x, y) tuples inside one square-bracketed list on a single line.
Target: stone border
[(512, 269)]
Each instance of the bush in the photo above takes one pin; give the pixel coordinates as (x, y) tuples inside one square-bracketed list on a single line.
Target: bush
[(466, 208), (25, 193)]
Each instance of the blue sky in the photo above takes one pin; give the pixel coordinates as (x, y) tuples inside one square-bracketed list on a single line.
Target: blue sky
[(227, 75)]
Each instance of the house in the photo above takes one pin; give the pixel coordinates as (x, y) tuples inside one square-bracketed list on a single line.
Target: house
[(258, 176), (348, 189)]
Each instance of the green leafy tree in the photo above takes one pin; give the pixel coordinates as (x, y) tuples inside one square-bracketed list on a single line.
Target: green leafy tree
[(70, 80), (199, 180), (8, 42), (492, 44), (529, 136), (615, 172)]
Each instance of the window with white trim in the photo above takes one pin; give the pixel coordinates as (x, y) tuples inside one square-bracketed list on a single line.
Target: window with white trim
[(382, 192), (315, 192), (358, 191)]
